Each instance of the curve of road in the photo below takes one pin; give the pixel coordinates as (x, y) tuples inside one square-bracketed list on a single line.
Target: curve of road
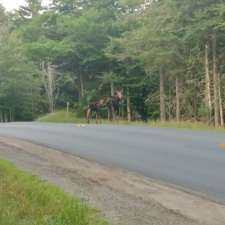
[(190, 159)]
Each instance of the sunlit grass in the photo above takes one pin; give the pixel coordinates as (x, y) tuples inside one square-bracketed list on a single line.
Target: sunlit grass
[(170, 124), (185, 125), (63, 117), (27, 200)]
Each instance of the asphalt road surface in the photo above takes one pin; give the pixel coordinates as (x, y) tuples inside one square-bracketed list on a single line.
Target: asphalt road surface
[(189, 159)]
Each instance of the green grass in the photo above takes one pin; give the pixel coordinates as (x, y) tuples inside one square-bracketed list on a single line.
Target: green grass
[(172, 124), (184, 125), (63, 117), (27, 200)]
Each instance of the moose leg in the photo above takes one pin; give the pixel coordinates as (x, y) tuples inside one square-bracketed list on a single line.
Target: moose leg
[(97, 117), (117, 113), (113, 113), (88, 115), (110, 113)]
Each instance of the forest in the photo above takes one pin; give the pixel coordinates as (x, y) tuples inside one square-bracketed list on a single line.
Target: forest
[(168, 57)]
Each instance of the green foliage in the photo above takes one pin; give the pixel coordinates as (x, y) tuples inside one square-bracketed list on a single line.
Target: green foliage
[(17, 79), (97, 43)]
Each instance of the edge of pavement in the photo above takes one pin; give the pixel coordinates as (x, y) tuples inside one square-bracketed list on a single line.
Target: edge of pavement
[(186, 204)]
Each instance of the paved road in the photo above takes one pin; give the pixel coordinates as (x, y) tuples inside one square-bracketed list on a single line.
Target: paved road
[(186, 158)]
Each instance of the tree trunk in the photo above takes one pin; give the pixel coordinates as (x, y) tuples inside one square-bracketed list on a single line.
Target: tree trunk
[(170, 103), (128, 106), (5, 117), (10, 115), (122, 109), (177, 99), (112, 88), (49, 82), (162, 96), (215, 82), (81, 86), (1, 117), (50, 73), (208, 85), (220, 102)]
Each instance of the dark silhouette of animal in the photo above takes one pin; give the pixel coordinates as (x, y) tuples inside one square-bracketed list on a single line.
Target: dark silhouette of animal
[(111, 103)]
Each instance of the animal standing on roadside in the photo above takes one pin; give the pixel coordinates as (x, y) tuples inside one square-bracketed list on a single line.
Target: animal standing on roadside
[(111, 103)]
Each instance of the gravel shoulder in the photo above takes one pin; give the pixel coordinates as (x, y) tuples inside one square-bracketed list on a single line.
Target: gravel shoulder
[(121, 196)]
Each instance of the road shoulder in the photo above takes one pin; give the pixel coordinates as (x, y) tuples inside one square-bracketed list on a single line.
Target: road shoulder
[(121, 196)]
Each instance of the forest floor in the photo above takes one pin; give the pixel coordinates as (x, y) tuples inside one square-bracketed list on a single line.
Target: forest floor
[(122, 197), (63, 117)]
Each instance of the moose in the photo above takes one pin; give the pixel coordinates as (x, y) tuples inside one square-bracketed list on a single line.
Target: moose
[(111, 103)]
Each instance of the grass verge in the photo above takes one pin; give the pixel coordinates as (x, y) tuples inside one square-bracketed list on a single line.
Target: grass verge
[(27, 200), (63, 117), (185, 125)]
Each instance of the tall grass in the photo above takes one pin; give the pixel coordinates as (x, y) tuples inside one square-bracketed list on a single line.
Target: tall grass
[(26, 200)]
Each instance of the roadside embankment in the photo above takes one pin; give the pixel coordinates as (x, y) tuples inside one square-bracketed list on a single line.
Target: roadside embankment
[(71, 117), (121, 196)]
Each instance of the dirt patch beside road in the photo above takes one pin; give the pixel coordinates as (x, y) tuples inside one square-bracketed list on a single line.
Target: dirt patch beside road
[(122, 197)]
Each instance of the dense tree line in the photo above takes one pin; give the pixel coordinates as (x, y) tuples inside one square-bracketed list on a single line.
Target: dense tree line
[(167, 56)]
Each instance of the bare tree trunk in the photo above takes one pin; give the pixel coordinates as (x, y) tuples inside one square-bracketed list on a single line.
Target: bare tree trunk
[(50, 72), (170, 105), (208, 84), (10, 115), (112, 88), (162, 96), (49, 81), (1, 117), (220, 102), (81, 86), (5, 117), (122, 109), (177, 99), (13, 115), (215, 82), (128, 106)]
